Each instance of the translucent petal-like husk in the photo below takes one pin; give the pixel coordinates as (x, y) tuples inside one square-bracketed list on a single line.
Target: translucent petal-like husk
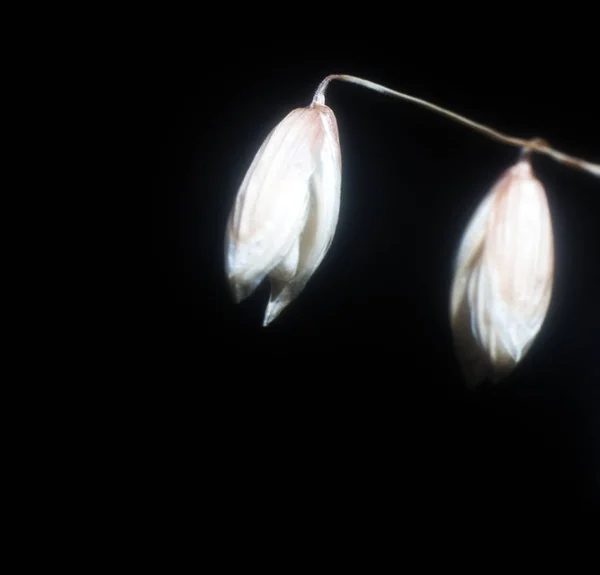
[(272, 203), (316, 238), (503, 276)]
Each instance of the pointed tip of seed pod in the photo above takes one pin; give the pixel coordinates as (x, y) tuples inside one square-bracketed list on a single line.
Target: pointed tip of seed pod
[(477, 367), (274, 308), (278, 304)]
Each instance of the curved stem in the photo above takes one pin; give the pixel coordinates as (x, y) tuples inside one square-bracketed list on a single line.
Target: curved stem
[(534, 144)]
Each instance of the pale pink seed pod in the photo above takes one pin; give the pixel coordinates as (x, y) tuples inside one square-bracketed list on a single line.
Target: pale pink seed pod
[(286, 209), (503, 278)]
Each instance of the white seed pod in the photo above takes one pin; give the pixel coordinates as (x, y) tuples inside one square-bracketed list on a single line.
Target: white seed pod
[(503, 277), (286, 210)]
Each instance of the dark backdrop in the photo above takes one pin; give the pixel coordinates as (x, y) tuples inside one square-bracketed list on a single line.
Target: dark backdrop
[(353, 395)]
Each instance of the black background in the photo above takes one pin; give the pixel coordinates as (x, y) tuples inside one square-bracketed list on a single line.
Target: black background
[(353, 394)]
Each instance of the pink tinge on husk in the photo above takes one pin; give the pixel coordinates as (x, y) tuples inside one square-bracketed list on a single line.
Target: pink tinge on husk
[(286, 209), (503, 276)]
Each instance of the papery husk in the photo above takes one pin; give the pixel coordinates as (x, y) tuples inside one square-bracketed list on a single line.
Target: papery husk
[(286, 209), (504, 273)]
